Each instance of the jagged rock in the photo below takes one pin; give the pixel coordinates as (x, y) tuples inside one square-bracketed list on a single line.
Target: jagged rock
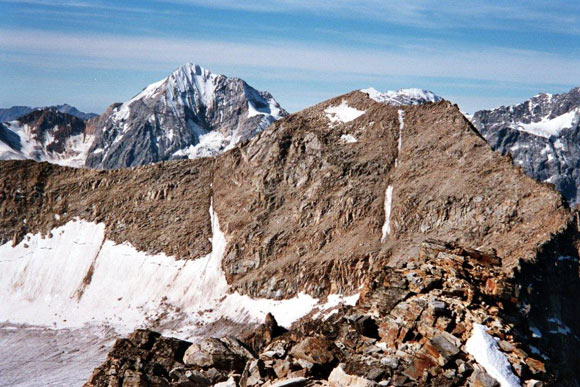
[(482, 379), (254, 374), (315, 350), (264, 334)]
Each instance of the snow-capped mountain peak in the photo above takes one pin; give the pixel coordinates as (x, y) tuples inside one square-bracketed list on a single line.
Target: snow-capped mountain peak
[(541, 134), (411, 96), (191, 113)]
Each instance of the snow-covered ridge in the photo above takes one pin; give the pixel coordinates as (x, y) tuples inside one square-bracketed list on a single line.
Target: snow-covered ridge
[(191, 113), (78, 277), (402, 97)]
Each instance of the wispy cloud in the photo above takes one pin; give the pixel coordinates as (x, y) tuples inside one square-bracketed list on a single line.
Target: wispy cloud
[(555, 15), (130, 52)]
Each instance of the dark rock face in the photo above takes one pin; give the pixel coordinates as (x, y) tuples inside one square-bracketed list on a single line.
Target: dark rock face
[(192, 113), (421, 337), (541, 135)]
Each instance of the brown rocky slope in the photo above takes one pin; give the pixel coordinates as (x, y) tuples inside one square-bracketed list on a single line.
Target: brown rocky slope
[(303, 209)]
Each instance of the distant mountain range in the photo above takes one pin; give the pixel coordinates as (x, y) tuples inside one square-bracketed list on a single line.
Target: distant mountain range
[(192, 113), (541, 135), (195, 113), (16, 112)]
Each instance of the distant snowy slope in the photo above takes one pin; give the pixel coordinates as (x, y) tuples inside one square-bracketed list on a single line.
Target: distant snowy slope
[(46, 135), (403, 96), (191, 113), (542, 136)]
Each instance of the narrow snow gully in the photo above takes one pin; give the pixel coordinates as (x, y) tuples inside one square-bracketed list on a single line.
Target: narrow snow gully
[(389, 191)]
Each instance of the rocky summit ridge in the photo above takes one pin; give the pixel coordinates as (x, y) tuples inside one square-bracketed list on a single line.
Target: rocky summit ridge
[(417, 325), (407, 206)]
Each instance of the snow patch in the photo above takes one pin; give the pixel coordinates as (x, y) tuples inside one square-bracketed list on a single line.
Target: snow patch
[(483, 347), (348, 138), (77, 277), (548, 127), (342, 113), (388, 201), (401, 127)]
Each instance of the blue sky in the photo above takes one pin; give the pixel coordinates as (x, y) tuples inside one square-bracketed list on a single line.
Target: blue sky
[(479, 54)]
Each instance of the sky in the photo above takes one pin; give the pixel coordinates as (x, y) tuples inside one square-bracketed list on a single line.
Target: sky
[(478, 54)]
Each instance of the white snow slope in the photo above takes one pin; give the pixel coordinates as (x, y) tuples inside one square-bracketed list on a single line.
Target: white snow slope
[(483, 347), (548, 127), (77, 280), (342, 113)]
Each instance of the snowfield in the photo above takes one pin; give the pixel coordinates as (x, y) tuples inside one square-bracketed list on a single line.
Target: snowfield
[(548, 127), (80, 281)]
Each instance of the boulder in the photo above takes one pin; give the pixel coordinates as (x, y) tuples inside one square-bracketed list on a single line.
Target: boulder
[(339, 378), (315, 350), (212, 352)]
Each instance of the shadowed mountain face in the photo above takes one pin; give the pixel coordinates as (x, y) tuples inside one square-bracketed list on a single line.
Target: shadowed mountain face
[(46, 135), (541, 135), (322, 202)]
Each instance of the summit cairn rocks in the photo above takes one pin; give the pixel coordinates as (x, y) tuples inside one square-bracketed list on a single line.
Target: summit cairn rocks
[(409, 327)]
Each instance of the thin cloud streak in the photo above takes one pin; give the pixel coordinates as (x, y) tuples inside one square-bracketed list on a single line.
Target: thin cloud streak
[(115, 52), (557, 15)]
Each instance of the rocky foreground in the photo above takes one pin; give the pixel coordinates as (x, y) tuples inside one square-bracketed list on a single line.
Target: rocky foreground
[(411, 326)]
